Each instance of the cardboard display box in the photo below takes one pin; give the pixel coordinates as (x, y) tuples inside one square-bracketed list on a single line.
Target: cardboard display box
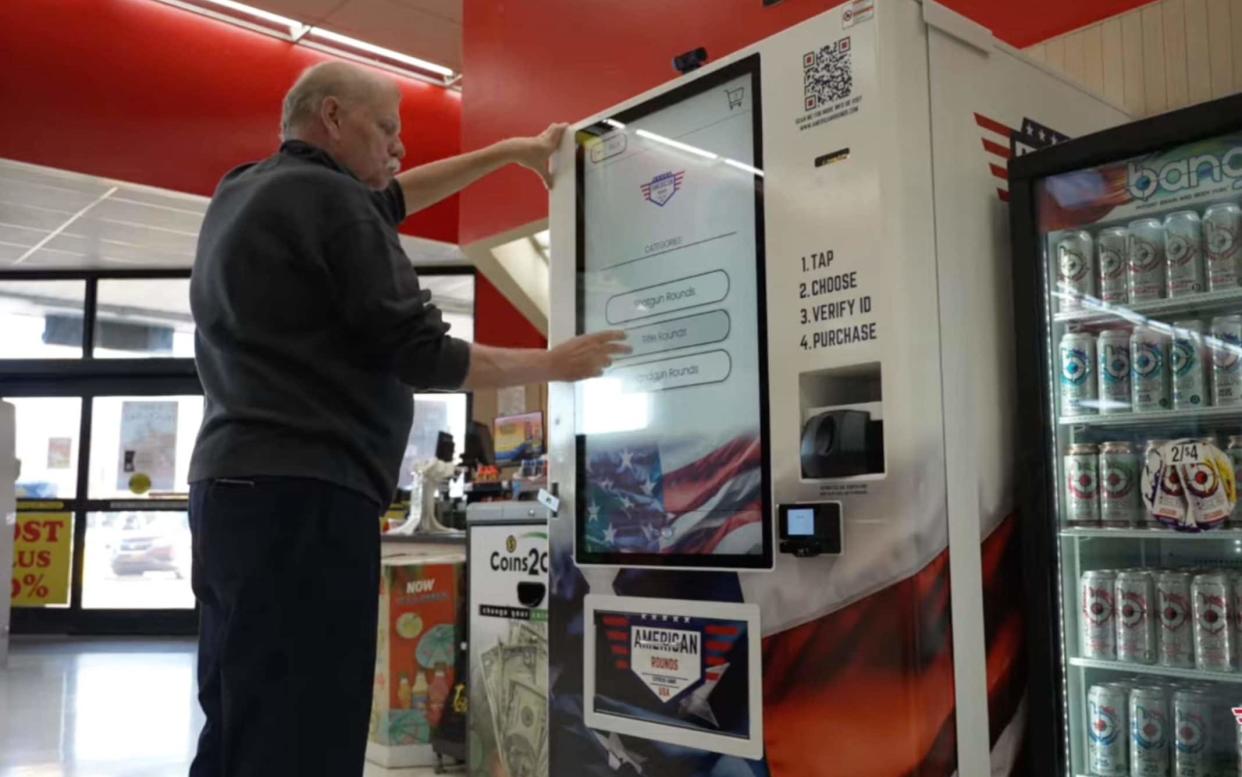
[(421, 601)]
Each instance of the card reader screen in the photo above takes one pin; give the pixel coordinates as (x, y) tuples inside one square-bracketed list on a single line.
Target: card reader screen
[(802, 522), (672, 439)]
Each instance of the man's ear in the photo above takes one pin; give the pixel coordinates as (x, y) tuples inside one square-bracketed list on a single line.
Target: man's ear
[(330, 116)]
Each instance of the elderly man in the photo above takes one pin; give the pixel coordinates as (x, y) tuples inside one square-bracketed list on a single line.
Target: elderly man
[(312, 334)]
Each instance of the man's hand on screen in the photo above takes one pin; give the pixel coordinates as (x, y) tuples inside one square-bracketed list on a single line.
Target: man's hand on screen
[(586, 356)]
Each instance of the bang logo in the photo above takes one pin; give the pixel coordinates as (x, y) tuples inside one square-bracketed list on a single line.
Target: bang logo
[(661, 189), (1104, 728), (1145, 181)]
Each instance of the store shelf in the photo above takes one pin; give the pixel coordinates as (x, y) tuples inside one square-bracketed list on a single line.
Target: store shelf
[(1203, 415), (1162, 671), (1215, 535), (1097, 312)]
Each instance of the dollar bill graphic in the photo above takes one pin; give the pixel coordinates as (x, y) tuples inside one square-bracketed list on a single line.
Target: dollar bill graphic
[(514, 676), (526, 726)]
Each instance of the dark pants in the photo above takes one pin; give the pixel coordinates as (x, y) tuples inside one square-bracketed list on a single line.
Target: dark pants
[(286, 572)]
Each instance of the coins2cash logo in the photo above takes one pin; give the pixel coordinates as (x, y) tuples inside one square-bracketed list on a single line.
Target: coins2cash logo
[(530, 562)]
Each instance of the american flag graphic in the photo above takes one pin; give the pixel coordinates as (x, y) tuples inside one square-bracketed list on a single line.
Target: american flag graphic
[(711, 504), (1003, 142)]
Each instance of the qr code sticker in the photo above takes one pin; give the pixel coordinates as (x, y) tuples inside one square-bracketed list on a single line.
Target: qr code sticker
[(827, 74)]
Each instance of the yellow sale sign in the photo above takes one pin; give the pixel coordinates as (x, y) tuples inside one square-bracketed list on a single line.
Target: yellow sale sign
[(41, 559)]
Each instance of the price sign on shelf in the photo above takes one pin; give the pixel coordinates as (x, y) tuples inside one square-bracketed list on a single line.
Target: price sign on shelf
[(41, 557)]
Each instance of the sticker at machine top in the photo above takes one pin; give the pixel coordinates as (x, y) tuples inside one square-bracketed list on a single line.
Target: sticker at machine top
[(659, 669), (857, 11)]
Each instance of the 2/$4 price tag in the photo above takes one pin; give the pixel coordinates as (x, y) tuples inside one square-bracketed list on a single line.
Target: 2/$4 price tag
[(1189, 485)]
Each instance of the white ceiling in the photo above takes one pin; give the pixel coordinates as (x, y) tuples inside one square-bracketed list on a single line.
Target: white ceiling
[(53, 219), (427, 29), (58, 220)]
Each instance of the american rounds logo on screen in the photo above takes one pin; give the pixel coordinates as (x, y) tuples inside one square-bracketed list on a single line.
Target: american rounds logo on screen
[(660, 190)]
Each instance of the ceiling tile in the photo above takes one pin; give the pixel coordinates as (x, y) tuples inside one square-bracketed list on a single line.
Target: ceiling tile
[(16, 235), (299, 10), (91, 231), (72, 198), (130, 212), (445, 9), (399, 27), (10, 253), (135, 226), (28, 216), (189, 203)]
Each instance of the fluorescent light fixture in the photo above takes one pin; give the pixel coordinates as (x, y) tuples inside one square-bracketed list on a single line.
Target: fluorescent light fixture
[(642, 133), (745, 168), (614, 124), (379, 51), (329, 42), (257, 13)]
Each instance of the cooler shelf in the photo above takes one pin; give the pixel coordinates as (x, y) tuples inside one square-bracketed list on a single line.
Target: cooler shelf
[(1215, 535), (1146, 421), (1163, 671), (1096, 311)]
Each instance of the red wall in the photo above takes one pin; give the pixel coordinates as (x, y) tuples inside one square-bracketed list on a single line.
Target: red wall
[(147, 93), (530, 63), (496, 322)]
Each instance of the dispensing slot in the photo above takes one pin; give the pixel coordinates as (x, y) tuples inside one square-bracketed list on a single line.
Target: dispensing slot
[(842, 422)]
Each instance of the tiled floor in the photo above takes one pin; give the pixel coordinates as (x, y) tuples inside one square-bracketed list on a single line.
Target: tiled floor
[(79, 708)]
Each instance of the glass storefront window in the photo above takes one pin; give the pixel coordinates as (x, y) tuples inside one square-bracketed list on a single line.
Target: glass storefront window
[(433, 413), (141, 446), (454, 296), (137, 560), (144, 318), (41, 319), (47, 446)]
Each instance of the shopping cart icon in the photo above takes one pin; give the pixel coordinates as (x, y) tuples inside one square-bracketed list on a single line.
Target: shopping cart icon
[(735, 96)]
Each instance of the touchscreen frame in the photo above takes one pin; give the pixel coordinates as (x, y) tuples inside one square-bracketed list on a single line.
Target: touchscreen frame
[(763, 561)]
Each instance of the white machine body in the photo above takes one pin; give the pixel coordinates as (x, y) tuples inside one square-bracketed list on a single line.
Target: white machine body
[(886, 268)]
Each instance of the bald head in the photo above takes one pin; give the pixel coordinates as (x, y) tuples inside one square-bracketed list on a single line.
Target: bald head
[(343, 81), (352, 113)]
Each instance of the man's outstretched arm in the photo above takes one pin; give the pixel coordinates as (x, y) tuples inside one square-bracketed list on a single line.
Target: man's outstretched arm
[(585, 356), (427, 184)]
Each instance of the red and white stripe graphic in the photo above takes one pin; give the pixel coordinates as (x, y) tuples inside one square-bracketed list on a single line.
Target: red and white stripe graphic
[(998, 143)]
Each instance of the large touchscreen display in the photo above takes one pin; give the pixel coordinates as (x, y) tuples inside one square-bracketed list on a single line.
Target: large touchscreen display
[(673, 440)]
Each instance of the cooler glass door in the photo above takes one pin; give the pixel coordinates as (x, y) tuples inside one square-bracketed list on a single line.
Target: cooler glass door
[(1142, 274)]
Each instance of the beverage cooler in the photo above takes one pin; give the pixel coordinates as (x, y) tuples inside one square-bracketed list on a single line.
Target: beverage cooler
[(1128, 294)]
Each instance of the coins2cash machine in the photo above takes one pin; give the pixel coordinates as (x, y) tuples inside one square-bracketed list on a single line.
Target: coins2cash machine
[(750, 564)]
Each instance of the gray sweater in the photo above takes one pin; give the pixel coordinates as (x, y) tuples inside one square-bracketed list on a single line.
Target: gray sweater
[(312, 329)]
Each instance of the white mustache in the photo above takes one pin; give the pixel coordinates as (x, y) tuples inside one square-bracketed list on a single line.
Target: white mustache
[(394, 167)]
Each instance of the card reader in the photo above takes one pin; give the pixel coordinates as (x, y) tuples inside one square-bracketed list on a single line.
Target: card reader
[(811, 528)]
